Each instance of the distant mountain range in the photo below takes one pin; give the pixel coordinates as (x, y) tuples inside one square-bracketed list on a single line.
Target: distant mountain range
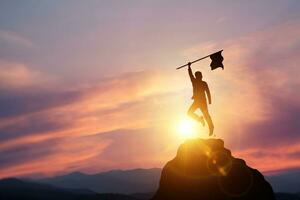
[(136, 184), (146, 180), (15, 189), (288, 181), (117, 181)]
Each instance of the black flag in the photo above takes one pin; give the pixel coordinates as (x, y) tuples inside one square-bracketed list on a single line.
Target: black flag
[(216, 60)]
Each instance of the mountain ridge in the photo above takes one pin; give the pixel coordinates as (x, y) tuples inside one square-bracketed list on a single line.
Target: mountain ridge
[(16, 193), (116, 181), (282, 182), (15, 189)]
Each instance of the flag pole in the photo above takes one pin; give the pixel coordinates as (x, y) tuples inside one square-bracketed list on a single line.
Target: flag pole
[(197, 60)]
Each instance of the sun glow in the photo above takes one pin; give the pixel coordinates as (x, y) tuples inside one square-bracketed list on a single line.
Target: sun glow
[(187, 128)]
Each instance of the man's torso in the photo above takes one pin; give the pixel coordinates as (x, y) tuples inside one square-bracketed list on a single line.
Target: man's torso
[(199, 88)]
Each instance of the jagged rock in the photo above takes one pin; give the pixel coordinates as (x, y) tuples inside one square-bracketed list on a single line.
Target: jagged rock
[(205, 170)]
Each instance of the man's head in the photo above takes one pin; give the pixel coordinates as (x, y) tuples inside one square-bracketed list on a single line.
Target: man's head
[(198, 75)]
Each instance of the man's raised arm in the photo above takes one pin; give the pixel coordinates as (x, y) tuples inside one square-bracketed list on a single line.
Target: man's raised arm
[(190, 72), (208, 93)]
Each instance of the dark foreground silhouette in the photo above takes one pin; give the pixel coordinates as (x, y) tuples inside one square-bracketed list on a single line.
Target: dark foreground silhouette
[(204, 169)]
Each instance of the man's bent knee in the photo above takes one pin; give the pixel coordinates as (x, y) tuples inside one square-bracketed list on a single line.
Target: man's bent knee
[(191, 111)]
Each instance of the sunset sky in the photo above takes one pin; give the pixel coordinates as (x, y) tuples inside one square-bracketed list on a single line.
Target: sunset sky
[(91, 85)]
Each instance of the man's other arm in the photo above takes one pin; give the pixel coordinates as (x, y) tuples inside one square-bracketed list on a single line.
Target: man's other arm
[(207, 93)]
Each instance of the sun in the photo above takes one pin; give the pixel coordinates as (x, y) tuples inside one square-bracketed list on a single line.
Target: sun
[(187, 128)]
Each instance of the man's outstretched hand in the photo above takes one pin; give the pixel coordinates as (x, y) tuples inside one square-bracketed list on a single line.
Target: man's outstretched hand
[(189, 64)]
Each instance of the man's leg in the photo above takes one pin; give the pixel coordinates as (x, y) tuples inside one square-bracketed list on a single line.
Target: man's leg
[(204, 109), (191, 113)]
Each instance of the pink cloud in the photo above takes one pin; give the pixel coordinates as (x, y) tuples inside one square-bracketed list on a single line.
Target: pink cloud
[(14, 38), (19, 76)]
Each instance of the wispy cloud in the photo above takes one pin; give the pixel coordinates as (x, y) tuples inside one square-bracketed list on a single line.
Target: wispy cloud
[(18, 76), (15, 38), (44, 118)]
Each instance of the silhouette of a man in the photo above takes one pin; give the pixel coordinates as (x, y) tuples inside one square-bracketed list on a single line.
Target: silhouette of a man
[(200, 92)]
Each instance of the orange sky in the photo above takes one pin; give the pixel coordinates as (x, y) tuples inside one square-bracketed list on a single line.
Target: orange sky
[(53, 124)]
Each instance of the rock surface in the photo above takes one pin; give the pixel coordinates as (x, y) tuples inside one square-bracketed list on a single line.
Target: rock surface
[(205, 170)]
